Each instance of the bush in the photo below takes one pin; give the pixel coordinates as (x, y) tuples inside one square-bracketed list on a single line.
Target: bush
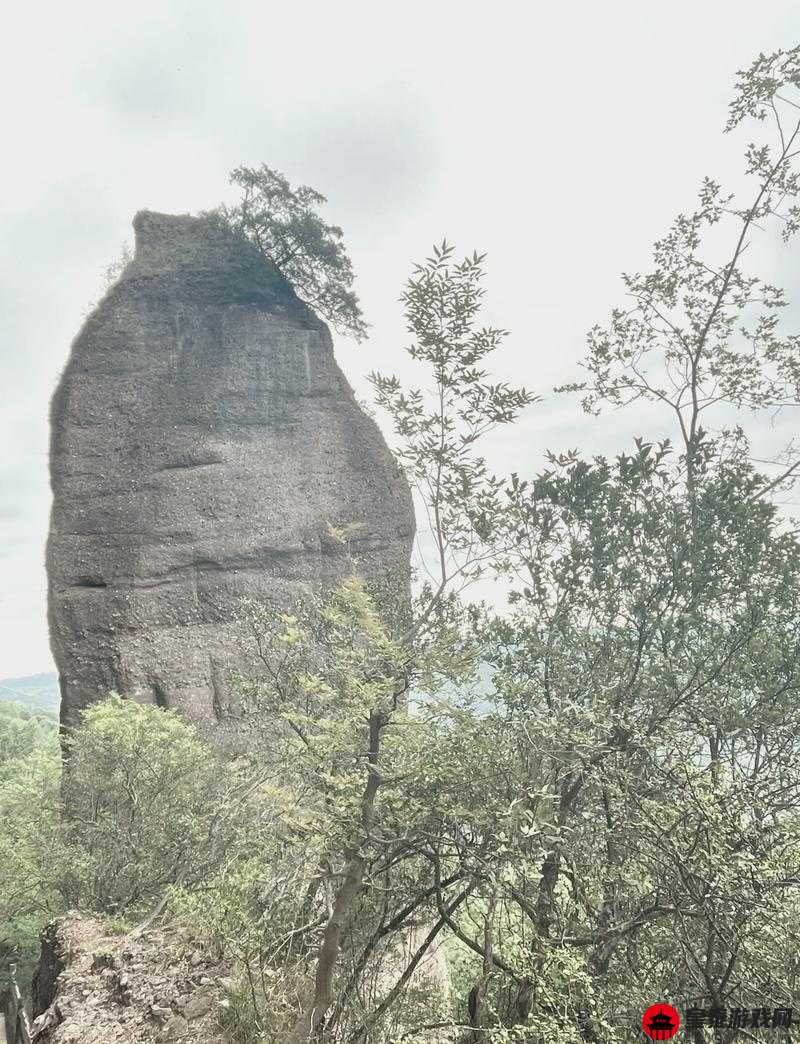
[(28, 846), (141, 799)]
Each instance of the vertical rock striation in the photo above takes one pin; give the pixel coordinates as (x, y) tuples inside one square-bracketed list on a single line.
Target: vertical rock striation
[(203, 442)]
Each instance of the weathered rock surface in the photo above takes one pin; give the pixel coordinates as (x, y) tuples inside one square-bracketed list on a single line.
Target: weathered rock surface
[(203, 442), (93, 987)]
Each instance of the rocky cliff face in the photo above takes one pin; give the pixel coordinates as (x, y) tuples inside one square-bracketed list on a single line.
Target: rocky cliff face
[(203, 442)]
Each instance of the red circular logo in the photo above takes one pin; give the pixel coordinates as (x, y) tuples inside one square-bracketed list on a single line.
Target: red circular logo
[(660, 1022)]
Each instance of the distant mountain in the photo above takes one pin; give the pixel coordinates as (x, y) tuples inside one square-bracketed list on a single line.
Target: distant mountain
[(36, 690)]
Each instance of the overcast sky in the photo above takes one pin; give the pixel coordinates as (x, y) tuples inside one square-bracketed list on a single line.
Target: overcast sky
[(559, 138)]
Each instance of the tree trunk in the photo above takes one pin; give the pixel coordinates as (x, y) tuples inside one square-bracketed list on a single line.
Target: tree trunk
[(313, 1017)]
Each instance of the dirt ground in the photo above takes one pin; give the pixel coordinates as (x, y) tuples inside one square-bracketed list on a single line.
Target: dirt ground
[(102, 988)]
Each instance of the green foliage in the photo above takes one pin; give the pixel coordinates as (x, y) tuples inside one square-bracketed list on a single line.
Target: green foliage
[(143, 810), (29, 776), (242, 1020), (614, 816), (700, 331), (625, 682), (439, 430), (285, 225), (141, 805), (22, 732)]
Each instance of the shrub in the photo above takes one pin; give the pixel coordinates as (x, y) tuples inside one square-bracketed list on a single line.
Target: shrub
[(141, 799)]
